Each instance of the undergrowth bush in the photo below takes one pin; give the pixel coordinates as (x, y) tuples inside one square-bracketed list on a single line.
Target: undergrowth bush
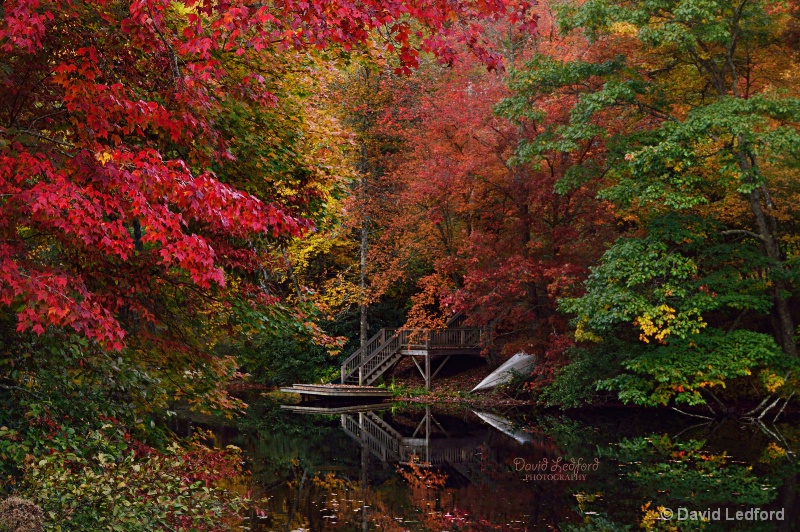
[(104, 481)]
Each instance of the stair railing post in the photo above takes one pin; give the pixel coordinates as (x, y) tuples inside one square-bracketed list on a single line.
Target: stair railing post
[(427, 365), (361, 362), (428, 360)]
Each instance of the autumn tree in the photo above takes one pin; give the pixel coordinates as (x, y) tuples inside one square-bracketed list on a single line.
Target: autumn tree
[(125, 151), (153, 168), (480, 230), (700, 290), (366, 95)]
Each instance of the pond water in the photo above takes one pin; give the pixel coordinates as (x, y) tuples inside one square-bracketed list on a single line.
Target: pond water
[(425, 469)]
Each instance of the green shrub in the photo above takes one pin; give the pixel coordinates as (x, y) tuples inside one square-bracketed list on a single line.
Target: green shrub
[(101, 482)]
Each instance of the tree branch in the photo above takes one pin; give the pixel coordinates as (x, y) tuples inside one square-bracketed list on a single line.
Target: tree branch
[(783, 407), (39, 136), (692, 415), (743, 232)]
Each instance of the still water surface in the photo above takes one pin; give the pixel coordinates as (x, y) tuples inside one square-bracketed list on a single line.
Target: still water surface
[(407, 468)]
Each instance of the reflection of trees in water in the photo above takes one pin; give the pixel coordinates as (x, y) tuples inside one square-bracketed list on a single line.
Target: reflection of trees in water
[(729, 465), (304, 492), (319, 478), (479, 490)]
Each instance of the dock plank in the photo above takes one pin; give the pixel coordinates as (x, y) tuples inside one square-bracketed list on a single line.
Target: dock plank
[(337, 390)]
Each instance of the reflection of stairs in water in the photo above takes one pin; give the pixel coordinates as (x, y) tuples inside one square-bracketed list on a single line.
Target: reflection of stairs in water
[(472, 472), (381, 439), (388, 444)]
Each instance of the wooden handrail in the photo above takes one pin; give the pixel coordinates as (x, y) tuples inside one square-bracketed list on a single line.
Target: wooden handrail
[(386, 344), (358, 358), (456, 320)]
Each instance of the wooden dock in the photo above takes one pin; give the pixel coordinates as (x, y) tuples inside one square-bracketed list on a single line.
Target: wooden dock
[(337, 391), (389, 345), (384, 350)]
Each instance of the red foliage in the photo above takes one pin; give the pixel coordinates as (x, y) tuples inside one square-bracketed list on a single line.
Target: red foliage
[(503, 245), (107, 127)]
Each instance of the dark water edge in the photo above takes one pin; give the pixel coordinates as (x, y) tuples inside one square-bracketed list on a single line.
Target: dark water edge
[(599, 469)]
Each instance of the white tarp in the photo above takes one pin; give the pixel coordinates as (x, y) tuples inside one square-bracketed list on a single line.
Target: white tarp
[(519, 363)]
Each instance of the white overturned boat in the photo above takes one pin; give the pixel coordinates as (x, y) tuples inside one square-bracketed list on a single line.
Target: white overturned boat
[(519, 363)]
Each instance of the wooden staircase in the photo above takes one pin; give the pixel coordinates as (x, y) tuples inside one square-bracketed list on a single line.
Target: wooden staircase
[(388, 346)]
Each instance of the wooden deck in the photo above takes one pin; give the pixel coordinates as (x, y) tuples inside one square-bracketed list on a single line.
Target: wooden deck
[(337, 391), (442, 351), (385, 349)]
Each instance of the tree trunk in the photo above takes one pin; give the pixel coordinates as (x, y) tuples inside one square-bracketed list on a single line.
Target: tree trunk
[(767, 231), (362, 283), (137, 235)]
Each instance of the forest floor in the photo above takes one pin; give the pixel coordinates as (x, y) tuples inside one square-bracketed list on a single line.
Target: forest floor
[(451, 386)]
